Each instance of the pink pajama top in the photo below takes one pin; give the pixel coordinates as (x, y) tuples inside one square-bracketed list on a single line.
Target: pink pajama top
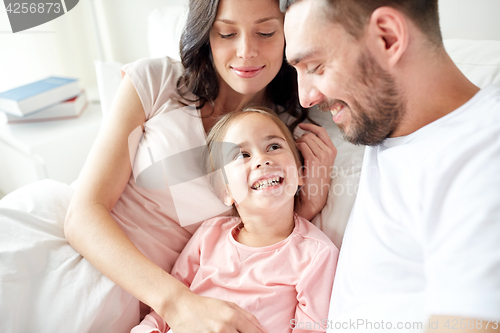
[(286, 285)]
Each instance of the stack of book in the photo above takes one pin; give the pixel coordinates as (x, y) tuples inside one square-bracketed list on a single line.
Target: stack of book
[(53, 98)]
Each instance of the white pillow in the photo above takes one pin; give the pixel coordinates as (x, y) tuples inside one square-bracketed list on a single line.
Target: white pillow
[(164, 31), (332, 219), (108, 79), (479, 60), (165, 27)]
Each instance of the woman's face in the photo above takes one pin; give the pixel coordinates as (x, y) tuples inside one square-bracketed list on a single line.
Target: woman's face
[(247, 43)]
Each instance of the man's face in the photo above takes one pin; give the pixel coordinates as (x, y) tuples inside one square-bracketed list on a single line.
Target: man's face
[(338, 73)]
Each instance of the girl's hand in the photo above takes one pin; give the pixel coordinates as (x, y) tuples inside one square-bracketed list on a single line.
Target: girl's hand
[(197, 314), (319, 155)]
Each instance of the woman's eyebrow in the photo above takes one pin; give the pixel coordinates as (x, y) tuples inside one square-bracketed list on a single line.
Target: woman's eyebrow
[(262, 20)]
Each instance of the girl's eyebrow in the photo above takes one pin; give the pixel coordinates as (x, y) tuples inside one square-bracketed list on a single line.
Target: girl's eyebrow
[(262, 20), (267, 138)]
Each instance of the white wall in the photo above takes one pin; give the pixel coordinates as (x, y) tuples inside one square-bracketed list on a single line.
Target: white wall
[(470, 19), (126, 22), (64, 46)]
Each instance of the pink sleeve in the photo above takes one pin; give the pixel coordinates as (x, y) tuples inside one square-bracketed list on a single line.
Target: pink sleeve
[(315, 287), (188, 262), (154, 80), (151, 323)]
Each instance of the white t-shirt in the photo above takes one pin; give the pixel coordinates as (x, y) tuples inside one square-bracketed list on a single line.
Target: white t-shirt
[(423, 237)]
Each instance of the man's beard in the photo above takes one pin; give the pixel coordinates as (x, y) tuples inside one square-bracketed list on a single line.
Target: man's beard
[(377, 108)]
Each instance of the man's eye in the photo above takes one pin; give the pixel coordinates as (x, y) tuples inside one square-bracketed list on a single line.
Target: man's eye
[(313, 70), (274, 146), (225, 36)]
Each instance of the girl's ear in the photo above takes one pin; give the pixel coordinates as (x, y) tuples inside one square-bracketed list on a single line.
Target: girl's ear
[(300, 172), (227, 198), (301, 180)]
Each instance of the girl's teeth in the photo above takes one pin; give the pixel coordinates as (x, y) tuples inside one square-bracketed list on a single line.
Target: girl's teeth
[(266, 183)]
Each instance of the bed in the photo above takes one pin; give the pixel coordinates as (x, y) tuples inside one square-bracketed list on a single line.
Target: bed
[(48, 200)]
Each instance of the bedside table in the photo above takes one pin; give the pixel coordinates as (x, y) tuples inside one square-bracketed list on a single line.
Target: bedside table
[(49, 149)]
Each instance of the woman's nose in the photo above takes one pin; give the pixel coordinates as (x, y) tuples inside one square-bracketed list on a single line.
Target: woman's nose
[(246, 48)]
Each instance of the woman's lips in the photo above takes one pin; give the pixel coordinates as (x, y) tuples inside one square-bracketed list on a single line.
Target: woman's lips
[(248, 71)]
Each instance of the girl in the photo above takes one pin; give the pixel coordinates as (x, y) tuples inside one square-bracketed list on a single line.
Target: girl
[(268, 260), (130, 237)]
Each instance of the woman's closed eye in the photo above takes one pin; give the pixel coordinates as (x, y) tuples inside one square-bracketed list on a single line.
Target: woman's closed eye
[(226, 36), (266, 35)]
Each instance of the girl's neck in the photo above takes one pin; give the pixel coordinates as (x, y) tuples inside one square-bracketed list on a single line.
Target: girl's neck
[(265, 228)]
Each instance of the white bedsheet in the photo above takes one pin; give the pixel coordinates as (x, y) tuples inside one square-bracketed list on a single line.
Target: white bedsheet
[(45, 285)]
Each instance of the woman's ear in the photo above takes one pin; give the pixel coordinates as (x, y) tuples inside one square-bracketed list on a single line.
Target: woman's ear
[(387, 36)]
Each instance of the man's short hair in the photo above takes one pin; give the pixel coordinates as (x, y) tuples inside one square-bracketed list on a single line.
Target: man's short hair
[(354, 15)]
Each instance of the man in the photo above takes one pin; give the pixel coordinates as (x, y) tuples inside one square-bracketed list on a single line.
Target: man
[(422, 246)]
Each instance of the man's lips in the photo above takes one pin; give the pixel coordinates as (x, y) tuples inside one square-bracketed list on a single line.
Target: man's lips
[(247, 71), (337, 112), (336, 107)]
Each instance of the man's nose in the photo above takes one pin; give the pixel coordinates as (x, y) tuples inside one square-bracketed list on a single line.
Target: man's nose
[(309, 94)]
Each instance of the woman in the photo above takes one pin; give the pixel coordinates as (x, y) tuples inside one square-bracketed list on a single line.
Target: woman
[(125, 231)]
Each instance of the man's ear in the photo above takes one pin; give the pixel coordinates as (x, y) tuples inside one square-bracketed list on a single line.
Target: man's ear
[(387, 36)]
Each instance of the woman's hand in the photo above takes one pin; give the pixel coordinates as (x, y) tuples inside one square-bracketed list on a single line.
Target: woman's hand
[(196, 314), (319, 155)]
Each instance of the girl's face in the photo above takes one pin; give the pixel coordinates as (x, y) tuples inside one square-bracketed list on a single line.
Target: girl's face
[(247, 43), (263, 173)]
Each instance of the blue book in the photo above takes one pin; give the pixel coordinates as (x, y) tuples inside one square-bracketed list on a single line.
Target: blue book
[(37, 96)]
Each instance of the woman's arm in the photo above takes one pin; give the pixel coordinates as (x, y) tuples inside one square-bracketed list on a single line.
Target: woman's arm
[(91, 230), (89, 227), (319, 155)]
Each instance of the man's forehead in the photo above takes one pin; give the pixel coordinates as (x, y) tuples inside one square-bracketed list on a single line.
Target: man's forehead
[(301, 32)]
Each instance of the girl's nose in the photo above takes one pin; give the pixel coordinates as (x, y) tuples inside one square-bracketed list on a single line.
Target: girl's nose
[(259, 164)]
